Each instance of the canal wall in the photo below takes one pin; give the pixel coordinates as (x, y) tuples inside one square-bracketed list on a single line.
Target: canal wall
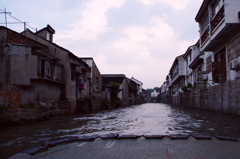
[(223, 97)]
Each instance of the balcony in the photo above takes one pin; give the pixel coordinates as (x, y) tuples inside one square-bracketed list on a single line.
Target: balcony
[(217, 19), (205, 35), (176, 77)]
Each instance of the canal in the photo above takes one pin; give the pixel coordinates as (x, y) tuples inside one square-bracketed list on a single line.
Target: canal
[(144, 119)]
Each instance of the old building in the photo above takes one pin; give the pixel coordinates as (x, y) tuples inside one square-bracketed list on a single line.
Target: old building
[(177, 75), (213, 62), (45, 72), (140, 95), (122, 90), (26, 64), (75, 71), (195, 67), (95, 89), (219, 34), (133, 92)]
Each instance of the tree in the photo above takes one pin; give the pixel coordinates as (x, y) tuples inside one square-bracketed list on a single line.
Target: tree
[(114, 91)]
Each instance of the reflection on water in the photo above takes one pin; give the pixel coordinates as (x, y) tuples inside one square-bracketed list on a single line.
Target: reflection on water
[(145, 119)]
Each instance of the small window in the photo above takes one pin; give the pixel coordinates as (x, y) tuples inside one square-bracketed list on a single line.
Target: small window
[(72, 72), (49, 36), (96, 82), (44, 67), (48, 68)]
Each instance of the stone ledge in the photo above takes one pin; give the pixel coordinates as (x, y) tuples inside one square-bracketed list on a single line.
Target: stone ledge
[(44, 147), (128, 137), (178, 136), (111, 136), (153, 136)]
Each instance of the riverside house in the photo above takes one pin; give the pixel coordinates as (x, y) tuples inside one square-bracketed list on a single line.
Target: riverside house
[(213, 63), (45, 73), (122, 92)]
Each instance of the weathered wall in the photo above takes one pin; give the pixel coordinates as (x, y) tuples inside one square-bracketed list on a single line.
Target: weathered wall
[(125, 93), (39, 92), (224, 98), (17, 58)]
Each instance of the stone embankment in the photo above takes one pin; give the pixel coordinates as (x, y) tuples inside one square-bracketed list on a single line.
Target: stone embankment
[(32, 113), (224, 98)]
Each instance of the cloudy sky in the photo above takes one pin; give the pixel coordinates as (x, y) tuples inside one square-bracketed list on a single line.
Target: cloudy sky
[(138, 38)]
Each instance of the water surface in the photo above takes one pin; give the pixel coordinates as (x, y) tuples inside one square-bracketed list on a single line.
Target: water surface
[(144, 119)]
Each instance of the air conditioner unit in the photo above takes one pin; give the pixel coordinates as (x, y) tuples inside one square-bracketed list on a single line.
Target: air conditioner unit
[(233, 65)]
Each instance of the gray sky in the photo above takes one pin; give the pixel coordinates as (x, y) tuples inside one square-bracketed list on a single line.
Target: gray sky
[(138, 38)]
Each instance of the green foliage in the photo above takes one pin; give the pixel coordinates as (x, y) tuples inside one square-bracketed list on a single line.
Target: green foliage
[(187, 88), (114, 88), (8, 118), (149, 91), (132, 89), (4, 108), (29, 106), (114, 91)]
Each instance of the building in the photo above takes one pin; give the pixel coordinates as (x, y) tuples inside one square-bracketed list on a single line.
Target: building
[(76, 72), (219, 34), (213, 63), (154, 93), (20, 66), (121, 89), (95, 90), (177, 75), (195, 67), (45, 72)]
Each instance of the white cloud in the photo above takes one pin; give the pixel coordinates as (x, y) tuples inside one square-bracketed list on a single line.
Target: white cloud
[(145, 52), (93, 20), (152, 38), (176, 4), (137, 40)]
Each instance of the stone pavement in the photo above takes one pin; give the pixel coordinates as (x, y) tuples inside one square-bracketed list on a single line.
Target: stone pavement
[(137, 147)]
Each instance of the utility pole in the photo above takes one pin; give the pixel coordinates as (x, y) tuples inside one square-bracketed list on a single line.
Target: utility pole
[(5, 12)]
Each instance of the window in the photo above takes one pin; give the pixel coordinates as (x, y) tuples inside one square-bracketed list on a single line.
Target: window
[(49, 36), (190, 57), (72, 72), (219, 67), (97, 82), (48, 68), (217, 6), (44, 67)]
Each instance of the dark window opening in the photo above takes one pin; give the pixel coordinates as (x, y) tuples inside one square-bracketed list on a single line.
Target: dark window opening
[(219, 67), (44, 67), (73, 73)]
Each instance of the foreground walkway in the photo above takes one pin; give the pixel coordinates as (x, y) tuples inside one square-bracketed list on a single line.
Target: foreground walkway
[(137, 147)]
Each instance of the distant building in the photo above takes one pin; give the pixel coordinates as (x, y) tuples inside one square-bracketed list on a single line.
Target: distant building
[(95, 79), (154, 93), (122, 80)]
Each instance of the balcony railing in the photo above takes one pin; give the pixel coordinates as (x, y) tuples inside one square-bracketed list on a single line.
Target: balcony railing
[(213, 25), (217, 19), (205, 35)]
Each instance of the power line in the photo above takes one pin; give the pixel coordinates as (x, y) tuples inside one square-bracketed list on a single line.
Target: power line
[(19, 21)]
